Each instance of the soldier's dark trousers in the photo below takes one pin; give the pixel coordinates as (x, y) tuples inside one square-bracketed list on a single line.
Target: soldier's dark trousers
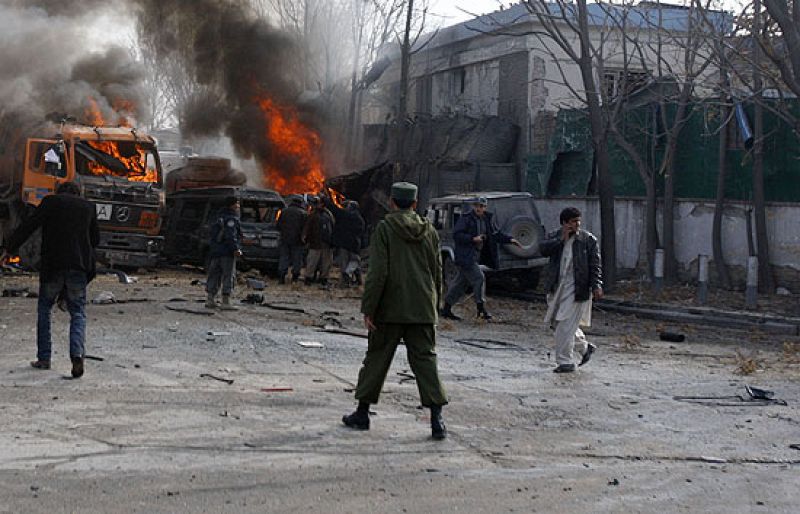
[(290, 256), (420, 341), (221, 272), (467, 276)]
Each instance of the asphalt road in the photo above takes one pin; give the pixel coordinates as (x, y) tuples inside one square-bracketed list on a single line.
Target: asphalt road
[(142, 431)]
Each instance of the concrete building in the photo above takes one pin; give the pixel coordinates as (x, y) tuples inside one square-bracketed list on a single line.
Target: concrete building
[(497, 65)]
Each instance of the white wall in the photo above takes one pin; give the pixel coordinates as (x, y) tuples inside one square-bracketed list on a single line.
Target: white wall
[(693, 225)]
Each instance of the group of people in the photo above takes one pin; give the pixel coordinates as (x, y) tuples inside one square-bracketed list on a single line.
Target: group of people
[(322, 229), (402, 289), (313, 234)]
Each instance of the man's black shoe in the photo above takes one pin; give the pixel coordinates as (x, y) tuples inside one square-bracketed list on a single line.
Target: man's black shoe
[(564, 368), (447, 312), (40, 364), (438, 428), (483, 313), (77, 367), (357, 420), (587, 356)]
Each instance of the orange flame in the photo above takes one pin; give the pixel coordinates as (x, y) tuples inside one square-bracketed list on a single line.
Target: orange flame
[(14, 260), (135, 164), (336, 197), (295, 165)]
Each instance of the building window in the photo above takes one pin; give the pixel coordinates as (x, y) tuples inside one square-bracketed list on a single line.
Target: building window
[(459, 81), (622, 82)]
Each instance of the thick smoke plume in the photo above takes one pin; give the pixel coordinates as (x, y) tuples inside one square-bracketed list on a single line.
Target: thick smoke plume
[(235, 59), (46, 66)]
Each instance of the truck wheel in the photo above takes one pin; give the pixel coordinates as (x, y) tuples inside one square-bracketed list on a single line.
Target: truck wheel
[(526, 231)]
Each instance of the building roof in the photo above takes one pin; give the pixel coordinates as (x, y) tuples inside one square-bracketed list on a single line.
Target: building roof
[(643, 15)]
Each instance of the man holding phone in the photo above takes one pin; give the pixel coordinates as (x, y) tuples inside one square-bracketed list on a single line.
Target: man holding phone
[(574, 279)]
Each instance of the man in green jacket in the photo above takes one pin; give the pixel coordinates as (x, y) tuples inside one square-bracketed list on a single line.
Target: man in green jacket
[(400, 302)]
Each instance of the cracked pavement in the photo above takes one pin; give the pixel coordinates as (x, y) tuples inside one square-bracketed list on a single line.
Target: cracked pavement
[(143, 432)]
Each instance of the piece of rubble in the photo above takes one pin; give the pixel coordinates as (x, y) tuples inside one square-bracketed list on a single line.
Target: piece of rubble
[(256, 284), (311, 344), (104, 298), (205, 312)]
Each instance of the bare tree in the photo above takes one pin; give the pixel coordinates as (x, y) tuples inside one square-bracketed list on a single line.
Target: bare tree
[(567, 26)]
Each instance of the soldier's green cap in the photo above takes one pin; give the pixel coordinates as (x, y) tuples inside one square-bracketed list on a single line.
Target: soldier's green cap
[(404, 191)]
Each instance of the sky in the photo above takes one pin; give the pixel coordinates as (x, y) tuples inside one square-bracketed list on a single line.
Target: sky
[(452, 11)]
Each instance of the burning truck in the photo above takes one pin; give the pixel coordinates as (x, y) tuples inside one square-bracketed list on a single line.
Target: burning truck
[(116, 168)]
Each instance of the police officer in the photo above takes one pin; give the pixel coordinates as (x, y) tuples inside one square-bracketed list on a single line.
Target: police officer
[(225, 244), (400, 299)]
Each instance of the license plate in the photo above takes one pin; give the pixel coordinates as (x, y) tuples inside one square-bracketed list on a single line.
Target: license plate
[(103, 211)]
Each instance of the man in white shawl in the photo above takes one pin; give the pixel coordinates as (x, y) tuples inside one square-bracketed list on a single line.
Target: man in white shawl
[(574, 279)]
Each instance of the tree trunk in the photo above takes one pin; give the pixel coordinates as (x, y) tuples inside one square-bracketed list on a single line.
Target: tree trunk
[(600, 133), (650, 225), (402, 104), (765, 280), (723, 275)]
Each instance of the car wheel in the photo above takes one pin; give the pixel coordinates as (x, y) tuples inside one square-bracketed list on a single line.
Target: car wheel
[(526, 231), (450, 272)]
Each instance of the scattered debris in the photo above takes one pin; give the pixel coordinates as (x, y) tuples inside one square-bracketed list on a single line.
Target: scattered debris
[(93, 358), (276, 389), (216, 334), (406, 377), (672, 337), (146, 346), (794, 446), (225, 414), (746, 364), (17, 292), (613, 482), (198, 282), (630, 341), (256, 284), (713, 460), (121, 276), (190, 311), (332, 330), (283, 308), (177, 300), (254, 299), (782, 291), (489, 344), (755, 397), (104, 298), (311, 344), (214, 377)]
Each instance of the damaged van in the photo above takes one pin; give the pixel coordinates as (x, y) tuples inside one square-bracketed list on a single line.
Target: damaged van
[(192, 212)]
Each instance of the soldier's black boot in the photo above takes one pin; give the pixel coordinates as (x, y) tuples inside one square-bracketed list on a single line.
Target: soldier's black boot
[(483, 313), (447, 312), (358, 420), (438, 430)]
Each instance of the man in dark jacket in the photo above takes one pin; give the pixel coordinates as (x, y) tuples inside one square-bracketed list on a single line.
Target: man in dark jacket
[(290, 225), (318, 236), (69, 237), (401, 294), (347, 233), (225, 244), (476, 239), (574, 278)]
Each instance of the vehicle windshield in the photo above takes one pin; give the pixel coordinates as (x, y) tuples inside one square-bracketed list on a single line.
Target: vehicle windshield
[(128, 160), (254, 211)]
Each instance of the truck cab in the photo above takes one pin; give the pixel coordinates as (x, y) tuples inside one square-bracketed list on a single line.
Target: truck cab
[(118, 170)]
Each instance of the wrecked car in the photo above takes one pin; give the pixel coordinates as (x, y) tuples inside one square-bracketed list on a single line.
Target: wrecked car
[(190, 214), (515, 214)]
